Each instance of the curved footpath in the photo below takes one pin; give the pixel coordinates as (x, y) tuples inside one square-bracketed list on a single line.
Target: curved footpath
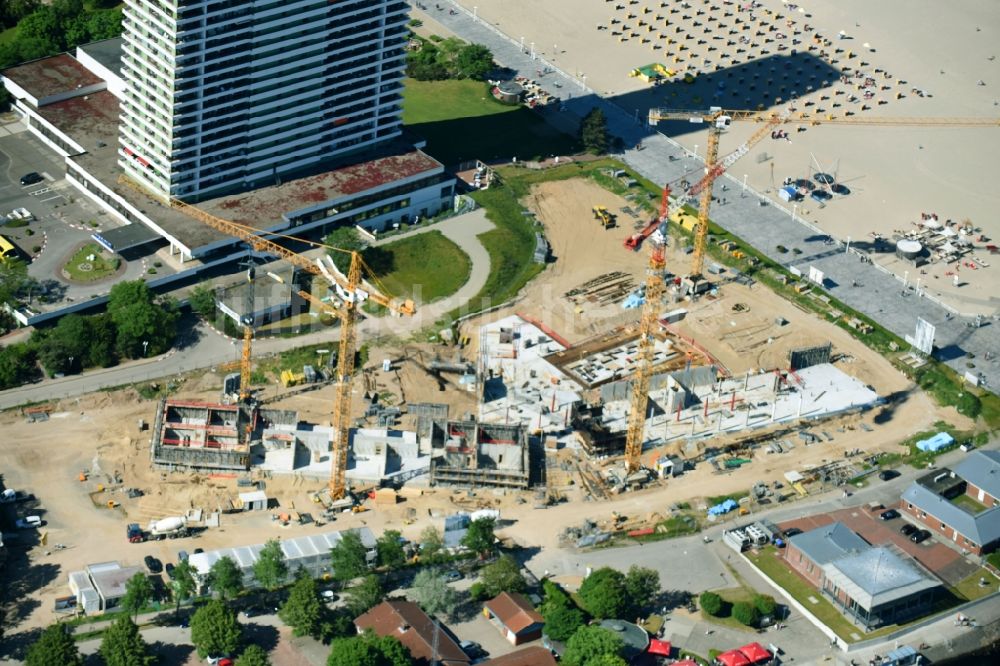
[(764, 226), (209, 348)]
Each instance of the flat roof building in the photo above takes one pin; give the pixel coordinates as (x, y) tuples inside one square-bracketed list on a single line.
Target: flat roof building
[(100, 587)]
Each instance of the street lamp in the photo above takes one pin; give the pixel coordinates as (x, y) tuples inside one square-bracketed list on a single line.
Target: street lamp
[(145, 344), (71, 363), (475, 13)]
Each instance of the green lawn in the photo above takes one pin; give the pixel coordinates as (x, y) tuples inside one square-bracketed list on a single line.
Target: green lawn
[(83, 269), (428, 261), (970, 589), (969, 504), (730, 596), (461, 121)]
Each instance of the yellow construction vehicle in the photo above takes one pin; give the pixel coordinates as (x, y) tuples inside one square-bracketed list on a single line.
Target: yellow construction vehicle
[(604, 216), (352, 290)]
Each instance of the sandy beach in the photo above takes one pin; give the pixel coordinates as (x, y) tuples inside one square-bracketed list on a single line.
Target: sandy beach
[(925, 60)]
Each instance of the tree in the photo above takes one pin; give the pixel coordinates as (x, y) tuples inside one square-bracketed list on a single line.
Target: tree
[(504, 575), (225, 577), (17, 365), (479, 538), (349, 557), (765, 604), (711, 603), (202, 301), (594, 131), (146, 326), (215, 629), (366, 595), (138, 592), (254, 655), (101, 352), (390, 549), (607, 660), (562, 620), (432, 592), (271, 569), (42, 24), (302, 611), (368, 650), (603, 593), (641, 587), (589, 644), (745, 613), (425, 64), (122, 645), (65, 347), (431, 544), (183, 585), (54, 646), (344, 238), (474, 61)]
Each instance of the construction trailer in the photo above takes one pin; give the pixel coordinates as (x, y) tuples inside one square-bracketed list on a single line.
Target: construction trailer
[(483, 455)]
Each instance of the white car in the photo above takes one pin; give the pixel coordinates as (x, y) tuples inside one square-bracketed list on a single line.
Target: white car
[(20, 214), (29, 523)]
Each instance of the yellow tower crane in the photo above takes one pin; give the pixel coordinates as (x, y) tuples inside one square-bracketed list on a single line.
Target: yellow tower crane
[(718, 120), (352, 290)]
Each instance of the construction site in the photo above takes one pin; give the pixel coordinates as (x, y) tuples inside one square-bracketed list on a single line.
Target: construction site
[(620, 375)]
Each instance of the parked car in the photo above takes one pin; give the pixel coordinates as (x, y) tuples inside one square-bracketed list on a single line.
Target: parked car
[(472, 649), (889, 515), (20, 214), (888, 474), (199, 550), (28, 523), (920, 535), (152, 564), (219, 660), (452, 575), (252, 611), (328, 596), (182, 556), (907, 529), (31, 178), (170, 570), (792, 531)]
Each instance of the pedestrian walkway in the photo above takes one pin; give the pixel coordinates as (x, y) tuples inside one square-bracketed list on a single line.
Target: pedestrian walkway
[(753, 217)]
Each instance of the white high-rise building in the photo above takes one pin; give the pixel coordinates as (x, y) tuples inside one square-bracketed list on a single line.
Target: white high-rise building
[(230, 95)]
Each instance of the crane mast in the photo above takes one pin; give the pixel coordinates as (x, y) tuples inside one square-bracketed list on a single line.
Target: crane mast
[(345, 370), (636, 432)]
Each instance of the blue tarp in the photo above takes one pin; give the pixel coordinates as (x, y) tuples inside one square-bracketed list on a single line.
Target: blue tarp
[(725, 507), (936, 443)]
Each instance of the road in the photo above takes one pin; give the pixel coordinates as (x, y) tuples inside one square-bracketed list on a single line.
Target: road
[(763, 226), (690, 563), (201, 347)]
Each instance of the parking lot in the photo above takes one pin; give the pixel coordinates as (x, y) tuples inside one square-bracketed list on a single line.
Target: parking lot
[(946, 563), (63, 219)]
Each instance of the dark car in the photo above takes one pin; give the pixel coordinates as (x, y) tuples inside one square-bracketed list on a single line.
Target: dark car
[(153, 564), (920, 535), (453, 575), (199, 550), (170, 570), (907, 529), (888, 474), (889, 515), (31, 178), (792, 531)]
